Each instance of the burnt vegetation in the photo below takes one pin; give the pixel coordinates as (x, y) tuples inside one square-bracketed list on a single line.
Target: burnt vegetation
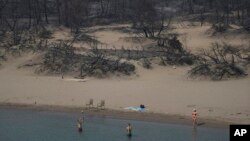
[(149, 17), (64, 58), (222, 61), (26, 25), (173, 52)]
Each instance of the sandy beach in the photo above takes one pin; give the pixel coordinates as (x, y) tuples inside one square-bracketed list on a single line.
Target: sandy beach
[(165, 91)]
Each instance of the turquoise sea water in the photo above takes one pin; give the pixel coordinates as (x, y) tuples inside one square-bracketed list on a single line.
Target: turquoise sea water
[(29, 125)]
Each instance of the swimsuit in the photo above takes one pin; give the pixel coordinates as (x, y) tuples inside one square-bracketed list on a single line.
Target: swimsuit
[(194, 115)]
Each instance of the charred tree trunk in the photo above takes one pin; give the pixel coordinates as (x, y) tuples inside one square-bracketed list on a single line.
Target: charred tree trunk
[(58, 5), (45, 11)]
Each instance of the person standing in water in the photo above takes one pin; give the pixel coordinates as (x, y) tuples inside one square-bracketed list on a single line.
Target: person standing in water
[(129, 130), (194, 117), (79, 124)]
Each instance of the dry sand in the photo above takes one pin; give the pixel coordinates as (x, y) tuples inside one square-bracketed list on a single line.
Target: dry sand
[(162, 90), (195, 37), (109, 37)]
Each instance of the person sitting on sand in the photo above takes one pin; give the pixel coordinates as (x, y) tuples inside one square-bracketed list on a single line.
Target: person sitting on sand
[(142, 106), (129, 130), (194, 116)]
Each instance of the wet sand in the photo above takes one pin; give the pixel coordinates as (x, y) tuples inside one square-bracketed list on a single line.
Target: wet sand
[(117, 114)]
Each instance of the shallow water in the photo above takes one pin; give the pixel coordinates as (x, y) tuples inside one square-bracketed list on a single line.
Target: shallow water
[(30, 125)]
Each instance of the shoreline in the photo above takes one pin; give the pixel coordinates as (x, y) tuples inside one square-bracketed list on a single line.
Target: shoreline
[(119, 114)]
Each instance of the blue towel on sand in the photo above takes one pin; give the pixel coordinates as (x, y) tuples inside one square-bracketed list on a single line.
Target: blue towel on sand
[(134, 108)]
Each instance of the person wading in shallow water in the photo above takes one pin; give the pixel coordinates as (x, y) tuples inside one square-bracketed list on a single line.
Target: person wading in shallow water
[(129, 130), (79, 124), (194, 117)]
